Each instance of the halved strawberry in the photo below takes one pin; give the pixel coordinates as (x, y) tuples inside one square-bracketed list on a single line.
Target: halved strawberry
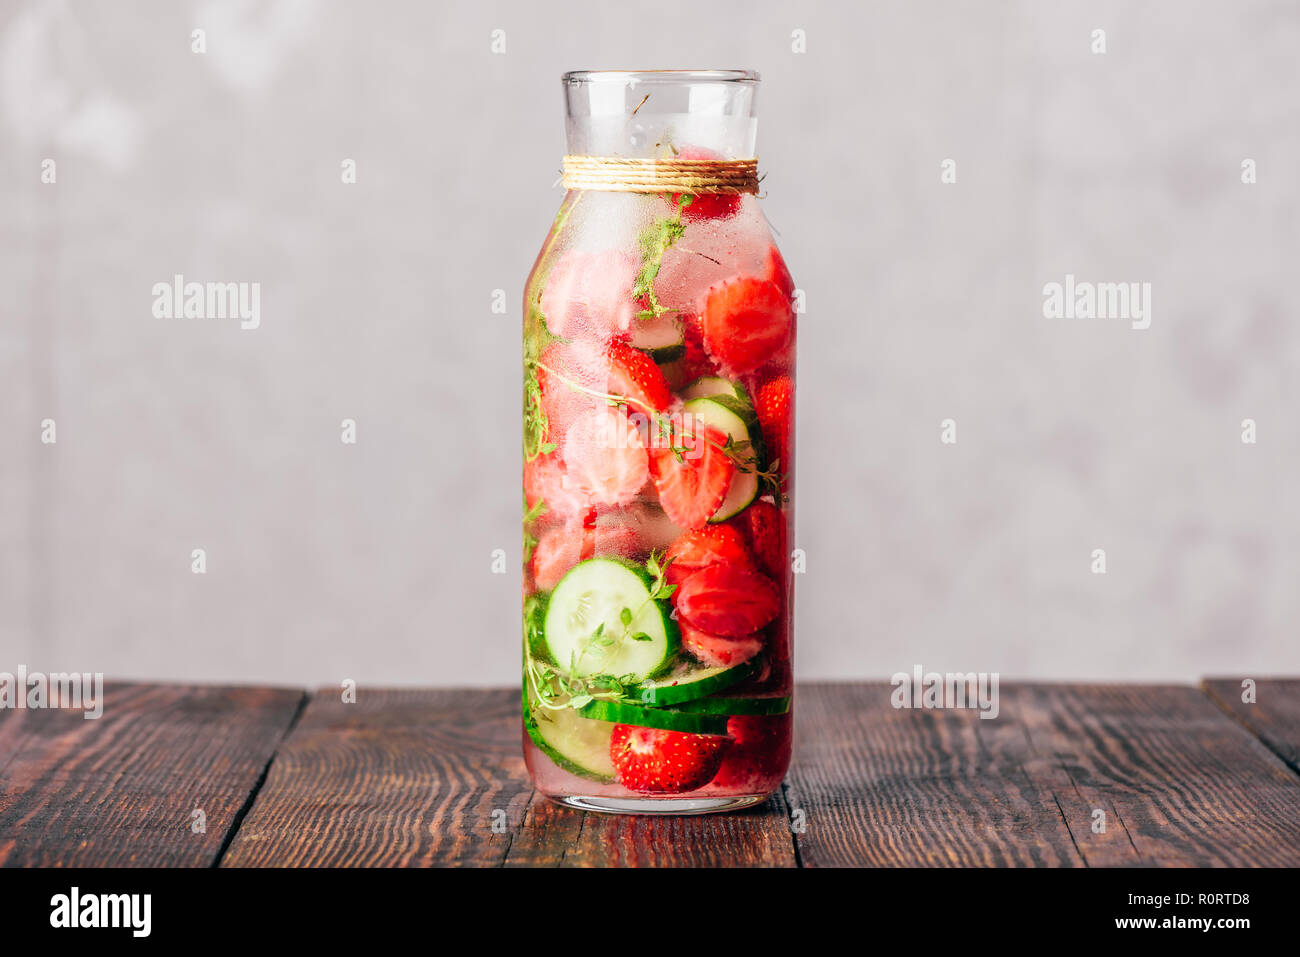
[(717, 651), (605, 458), (652, 761), (727, 600), (588, 295), (778, 272), (559, 549), (545, 481), (774, 407), (634, 374), (703, 547), (564, 370), (693, 486), (759, 753), (764, 530), (706, 205), (745, 321)]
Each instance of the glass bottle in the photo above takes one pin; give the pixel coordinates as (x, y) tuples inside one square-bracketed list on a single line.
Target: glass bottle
[(659, 367)]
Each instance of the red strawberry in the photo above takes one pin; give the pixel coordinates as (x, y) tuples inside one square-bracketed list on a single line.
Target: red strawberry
[(634, 374), (759, 754), (706, 205), (703, 547), (778, 272), (545, 481), (696, 363), (563, 401), (556, 551), (605, 458), (775, 407), (727, 600), (764, 527), (588, 295), (716, 651), (745, 321), (559, 549), (658, 762), (690, 490)]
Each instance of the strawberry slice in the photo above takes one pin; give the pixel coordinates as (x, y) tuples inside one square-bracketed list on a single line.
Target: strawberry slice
[(634, 374), (588, 295), (559, 549), (545, 481), (745, 321), (778, 272), (691, 488), (706, 205), (563, 371), (665, 762), (703, 547), (696, 363), (727, 600), (717, 651), (759, 753), (764, 530), (556, 551), (605, 458), (775, 408)]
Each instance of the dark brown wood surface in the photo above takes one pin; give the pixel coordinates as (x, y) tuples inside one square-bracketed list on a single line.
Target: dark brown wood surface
[(1178, 775), (1273, 716), (122, 790)]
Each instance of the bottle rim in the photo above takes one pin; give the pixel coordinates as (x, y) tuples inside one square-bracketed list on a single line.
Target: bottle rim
[(577, 77)]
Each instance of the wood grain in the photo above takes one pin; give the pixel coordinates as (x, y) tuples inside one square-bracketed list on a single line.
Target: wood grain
[(1178, 784), (120, 790), (1274, 716), (436, 777), (879, 786), (1187, 787), (419, 778), (398, 778)]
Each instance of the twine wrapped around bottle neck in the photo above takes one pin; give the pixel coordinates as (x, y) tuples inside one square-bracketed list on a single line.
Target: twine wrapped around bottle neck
[(618, 174)]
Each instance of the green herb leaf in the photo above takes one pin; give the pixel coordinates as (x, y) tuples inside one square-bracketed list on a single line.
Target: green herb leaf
[(654, 241)]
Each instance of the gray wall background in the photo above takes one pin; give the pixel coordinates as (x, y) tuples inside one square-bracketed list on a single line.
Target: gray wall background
[(373, 561)]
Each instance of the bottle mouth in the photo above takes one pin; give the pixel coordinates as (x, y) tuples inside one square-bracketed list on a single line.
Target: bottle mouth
[(634, 77)]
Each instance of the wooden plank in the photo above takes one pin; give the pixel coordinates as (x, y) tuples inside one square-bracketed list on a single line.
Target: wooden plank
[(880, 786), (1188, 786), (120, 790), (1273, 717), (398, 778), (419, 777), (1179, 784)]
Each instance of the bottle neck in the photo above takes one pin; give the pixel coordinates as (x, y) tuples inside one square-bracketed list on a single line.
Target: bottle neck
[(657, 115)]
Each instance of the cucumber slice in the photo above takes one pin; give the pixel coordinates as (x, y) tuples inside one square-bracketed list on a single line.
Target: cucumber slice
[(662, 337), (710, 385), (690, 683), (768, 704), (623, 712), (592, 595), (732, 416), (576, 744)]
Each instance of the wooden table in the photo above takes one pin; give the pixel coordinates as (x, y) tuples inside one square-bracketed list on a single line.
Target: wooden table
[(1183, 776)]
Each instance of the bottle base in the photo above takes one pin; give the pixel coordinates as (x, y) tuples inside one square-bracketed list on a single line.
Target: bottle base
[(660, 806)]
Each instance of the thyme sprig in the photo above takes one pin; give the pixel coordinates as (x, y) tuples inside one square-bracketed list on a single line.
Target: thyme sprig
[(654, 241)]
